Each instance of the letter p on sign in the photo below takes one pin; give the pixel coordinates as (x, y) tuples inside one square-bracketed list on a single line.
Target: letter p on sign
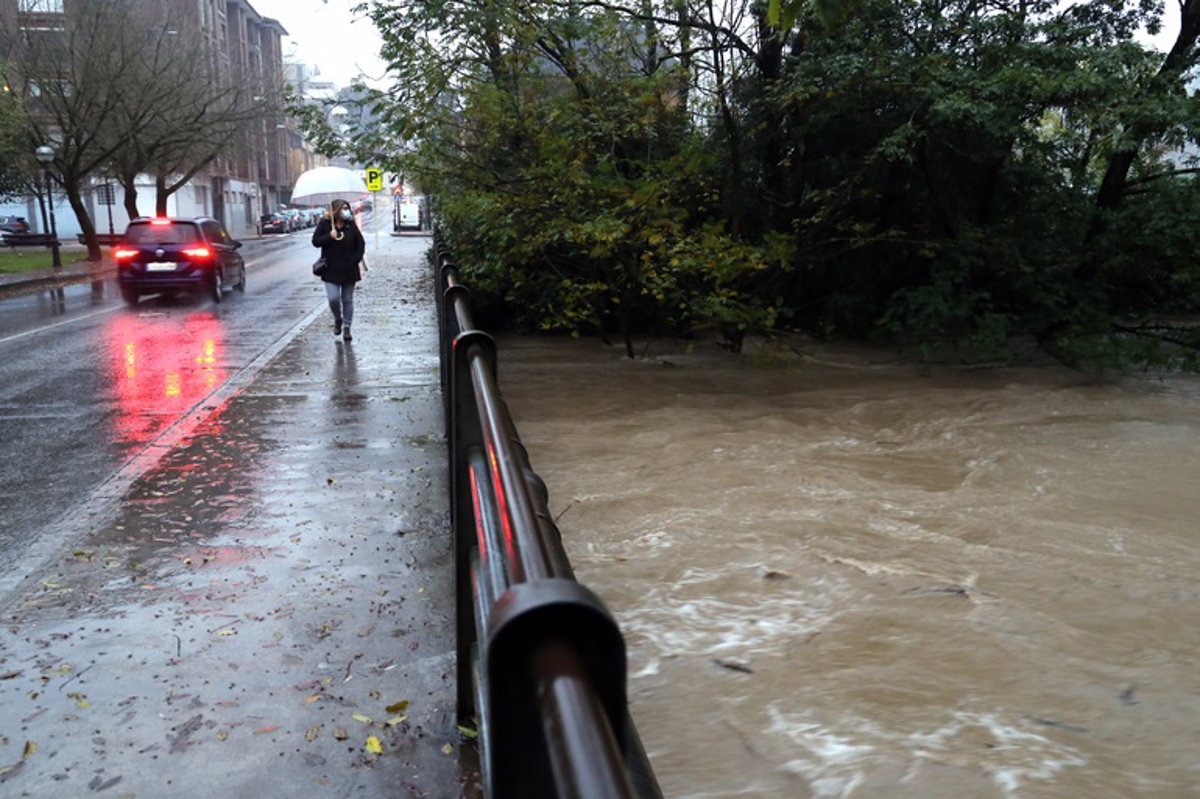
[(374, 179)]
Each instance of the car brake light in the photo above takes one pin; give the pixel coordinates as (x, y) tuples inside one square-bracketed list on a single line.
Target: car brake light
[(160, 221), (197, 252), (122, 254)]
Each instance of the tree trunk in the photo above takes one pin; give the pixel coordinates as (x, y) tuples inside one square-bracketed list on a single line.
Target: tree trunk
[(1116, 177), (41, 198), (129, 187), (769, 63), (75, 198), (685, 59), (731, 198), (1179, 60), (160, 195)]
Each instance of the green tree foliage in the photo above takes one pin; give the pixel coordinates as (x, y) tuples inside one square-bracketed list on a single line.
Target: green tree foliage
[(14, 175), (930, 172)]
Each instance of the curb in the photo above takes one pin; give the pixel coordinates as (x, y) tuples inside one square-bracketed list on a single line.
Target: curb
[(49, 278)]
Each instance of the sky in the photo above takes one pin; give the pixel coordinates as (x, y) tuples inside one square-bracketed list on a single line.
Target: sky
[(327, 34), (341, 44)]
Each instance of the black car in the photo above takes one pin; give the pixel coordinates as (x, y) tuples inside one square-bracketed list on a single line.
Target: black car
[(273, 223), (13, 224), (167, 255)]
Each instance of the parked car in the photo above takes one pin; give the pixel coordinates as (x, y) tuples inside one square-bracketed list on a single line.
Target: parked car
[(293, 218), (13, 224), (161, 254), (272, 223)]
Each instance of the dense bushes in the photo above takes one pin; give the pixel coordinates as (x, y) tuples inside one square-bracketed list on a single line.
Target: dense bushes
[(926, 173)]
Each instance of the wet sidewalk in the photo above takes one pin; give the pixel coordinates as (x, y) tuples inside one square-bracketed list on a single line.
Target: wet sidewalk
[(268, 612)]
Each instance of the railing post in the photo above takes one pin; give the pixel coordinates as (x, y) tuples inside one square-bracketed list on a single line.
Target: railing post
[(527, 618), (541, 662), (450, 331)]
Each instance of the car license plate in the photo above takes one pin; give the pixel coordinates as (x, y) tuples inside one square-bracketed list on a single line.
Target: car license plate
[(168, 266)]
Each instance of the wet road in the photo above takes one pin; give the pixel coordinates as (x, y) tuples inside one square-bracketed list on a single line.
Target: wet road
[(236, 582), (88, 383)]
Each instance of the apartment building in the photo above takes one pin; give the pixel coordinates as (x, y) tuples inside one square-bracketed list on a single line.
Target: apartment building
[(255, 173)]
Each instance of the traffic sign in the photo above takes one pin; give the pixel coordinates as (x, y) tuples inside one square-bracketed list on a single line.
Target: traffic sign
[(374, 179)]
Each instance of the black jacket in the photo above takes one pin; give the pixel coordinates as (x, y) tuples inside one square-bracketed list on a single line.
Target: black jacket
[(342, 256)]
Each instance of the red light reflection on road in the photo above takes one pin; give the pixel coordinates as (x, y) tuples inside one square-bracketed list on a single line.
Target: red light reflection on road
[(161, 367)]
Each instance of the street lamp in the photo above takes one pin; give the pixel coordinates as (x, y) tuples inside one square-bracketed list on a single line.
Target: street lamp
[(45, 154)]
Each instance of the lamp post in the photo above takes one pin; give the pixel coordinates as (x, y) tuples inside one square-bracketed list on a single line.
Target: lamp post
[(45, 154)]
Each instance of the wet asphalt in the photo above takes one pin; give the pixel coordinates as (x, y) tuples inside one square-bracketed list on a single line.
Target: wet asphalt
[(267, 609)]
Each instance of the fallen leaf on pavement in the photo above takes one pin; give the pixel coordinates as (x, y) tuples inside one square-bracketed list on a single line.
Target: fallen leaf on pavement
[(373, 745), (8, 772)]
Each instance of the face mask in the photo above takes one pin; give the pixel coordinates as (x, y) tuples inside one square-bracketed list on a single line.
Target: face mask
[(346, 214)]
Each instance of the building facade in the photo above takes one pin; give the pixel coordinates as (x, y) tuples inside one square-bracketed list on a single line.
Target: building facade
[(251, 177)]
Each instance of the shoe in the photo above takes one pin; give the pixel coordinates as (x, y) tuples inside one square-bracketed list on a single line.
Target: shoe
[(346, 334), (337, 327)]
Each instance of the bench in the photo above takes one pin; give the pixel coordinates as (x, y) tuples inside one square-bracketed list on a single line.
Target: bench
[(103, 239), (28, 240)]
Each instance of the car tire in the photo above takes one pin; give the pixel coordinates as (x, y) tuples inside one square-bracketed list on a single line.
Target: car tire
[(241, 285), (215, 285), (129, 295)]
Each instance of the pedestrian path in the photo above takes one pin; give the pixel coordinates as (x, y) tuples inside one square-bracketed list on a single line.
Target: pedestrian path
[(269, 612)]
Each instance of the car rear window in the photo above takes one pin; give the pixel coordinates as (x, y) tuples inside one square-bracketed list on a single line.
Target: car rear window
[(174, 233)]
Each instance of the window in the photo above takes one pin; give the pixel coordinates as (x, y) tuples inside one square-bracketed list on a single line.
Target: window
[(151, 233), (41, 6), (215, 233)]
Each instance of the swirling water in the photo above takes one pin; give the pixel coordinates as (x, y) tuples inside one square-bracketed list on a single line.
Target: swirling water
[(842, 576)]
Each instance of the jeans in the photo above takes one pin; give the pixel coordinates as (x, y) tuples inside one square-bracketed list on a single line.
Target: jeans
[(341, 301)]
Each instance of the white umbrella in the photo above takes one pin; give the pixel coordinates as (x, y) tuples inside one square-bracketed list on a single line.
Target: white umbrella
[(325, 184)]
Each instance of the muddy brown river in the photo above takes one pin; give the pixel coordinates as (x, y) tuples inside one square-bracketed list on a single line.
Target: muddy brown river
[(841, 577)]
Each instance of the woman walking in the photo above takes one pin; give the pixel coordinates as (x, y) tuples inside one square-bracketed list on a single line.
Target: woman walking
[(342, 247)]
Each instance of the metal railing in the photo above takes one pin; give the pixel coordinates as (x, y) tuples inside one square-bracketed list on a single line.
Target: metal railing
[(541, 662)]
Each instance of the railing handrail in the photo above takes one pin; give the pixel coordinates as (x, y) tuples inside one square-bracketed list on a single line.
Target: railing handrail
[(541, 662)]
